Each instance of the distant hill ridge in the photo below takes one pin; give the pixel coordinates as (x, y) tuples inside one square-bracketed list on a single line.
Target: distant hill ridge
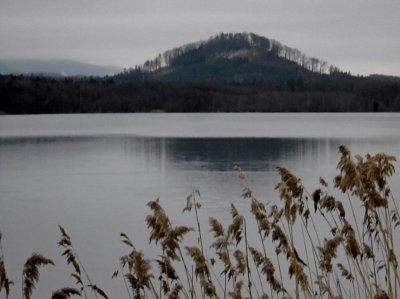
[(229, 72), (55, 68), (230, 57)]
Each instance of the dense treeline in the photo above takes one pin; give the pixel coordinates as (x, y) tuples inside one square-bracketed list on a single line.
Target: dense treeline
[(341, 93)]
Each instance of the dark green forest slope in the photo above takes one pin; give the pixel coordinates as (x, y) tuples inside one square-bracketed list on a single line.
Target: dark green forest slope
[(227, 73), (229, 57)]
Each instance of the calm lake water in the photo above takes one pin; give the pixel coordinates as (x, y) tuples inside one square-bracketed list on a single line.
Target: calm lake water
[(94, 174)]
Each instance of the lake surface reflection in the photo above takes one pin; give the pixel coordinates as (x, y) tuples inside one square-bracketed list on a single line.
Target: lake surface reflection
[(98, 186)]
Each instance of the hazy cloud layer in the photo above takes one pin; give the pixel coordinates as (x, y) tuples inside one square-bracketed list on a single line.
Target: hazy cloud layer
[(362, 36)]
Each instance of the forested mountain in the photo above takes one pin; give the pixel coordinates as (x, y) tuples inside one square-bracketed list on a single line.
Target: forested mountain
[(227, 73), (229, 57), (55, 68)]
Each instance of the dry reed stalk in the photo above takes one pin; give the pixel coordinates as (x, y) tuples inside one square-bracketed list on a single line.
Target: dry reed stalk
[(73, 258), (138, 276), (221, 245), (196, 206), (366, 179), (202, 271), (368, 243), (161, 228)]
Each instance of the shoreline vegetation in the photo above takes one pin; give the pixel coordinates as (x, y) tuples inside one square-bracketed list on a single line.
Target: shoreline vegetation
[(355, 257), (335, 93)]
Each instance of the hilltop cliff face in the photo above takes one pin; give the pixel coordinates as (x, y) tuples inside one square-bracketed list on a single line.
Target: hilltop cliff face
[(229, 57)]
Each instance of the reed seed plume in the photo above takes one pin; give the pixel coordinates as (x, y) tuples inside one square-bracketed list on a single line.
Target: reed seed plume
[(323, 182), (139, 275), (328, 252), (234, 211), (126, 240), (316, 196), (395, 217), (172, 239), (175, 292), (142, 269), (190, 201), (30, 272), (229, 269), (73, 258), (201, 268), (235, 229), (345, 272), (69, 253), (208, 288), (158, 222), (381, 294), (161, 230), (237, 291), (367, 252), (216, 227), (290, 185), (365, 178), (65, 293), (278, 235), (267, 268), (221, 238), (247, 192), (166, 268), (340, 208), (240, 262), (351, 244), (259, 211), (392, 258)]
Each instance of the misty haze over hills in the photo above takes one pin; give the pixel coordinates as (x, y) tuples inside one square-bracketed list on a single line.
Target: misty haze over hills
[(56, 68), (225, 57)]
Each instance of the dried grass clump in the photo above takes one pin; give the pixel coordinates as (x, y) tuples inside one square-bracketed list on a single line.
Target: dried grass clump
[(287, 256)]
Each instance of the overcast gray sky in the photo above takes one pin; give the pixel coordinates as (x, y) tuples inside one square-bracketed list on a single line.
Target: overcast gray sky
[(362, 36)]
